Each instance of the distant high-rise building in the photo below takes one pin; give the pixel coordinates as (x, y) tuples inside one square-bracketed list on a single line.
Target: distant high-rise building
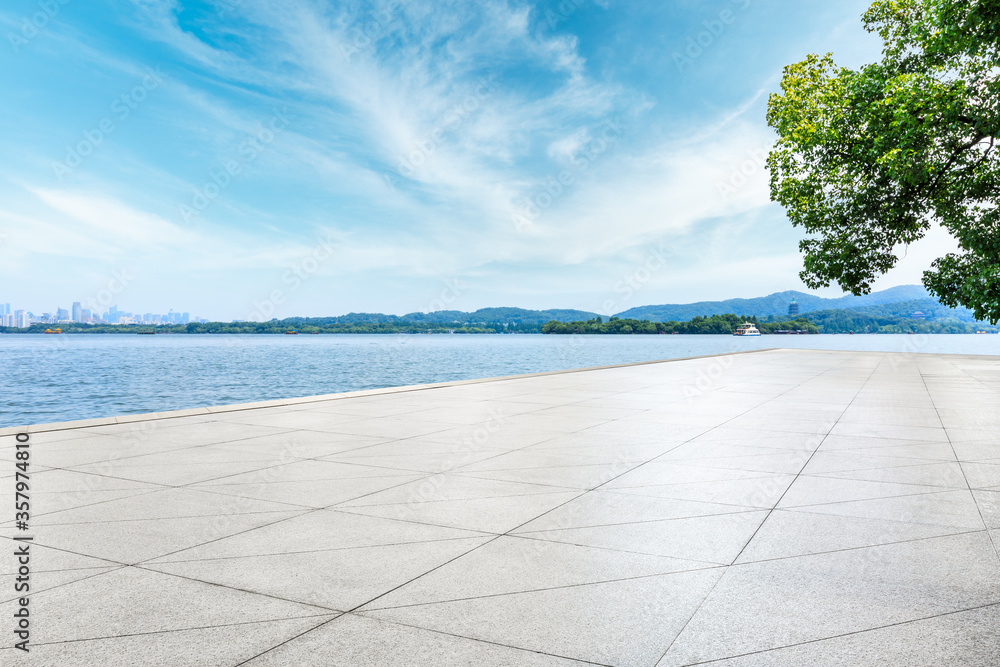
[(113, 315), (185, 318), (77, 312), (62, 314), (793, 308), (5, 309), (21, 319)]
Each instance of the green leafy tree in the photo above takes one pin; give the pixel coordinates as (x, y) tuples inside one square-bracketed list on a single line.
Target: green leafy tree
[(867, 160)]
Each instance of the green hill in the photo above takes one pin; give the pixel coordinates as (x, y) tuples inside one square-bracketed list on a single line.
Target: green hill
[(457, 317), (917, 316), (772, 305)]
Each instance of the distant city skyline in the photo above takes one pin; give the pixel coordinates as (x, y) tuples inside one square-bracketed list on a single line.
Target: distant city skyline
[(24, 317)]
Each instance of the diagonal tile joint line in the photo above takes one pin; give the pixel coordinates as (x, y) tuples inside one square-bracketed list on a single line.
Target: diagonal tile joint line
[(982, 516), (768, 515), (847, 634)]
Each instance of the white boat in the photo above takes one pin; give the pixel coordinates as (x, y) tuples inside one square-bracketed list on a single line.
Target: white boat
[(746, 329)]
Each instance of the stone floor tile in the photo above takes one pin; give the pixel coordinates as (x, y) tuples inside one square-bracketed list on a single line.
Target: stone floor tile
[(129, 601), (767, 605), (965, 638), (710, 539), (628, 623), (219, 646), (356, 640), (339, 579)]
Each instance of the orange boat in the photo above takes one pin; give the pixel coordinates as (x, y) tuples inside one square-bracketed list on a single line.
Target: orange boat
[(53, 331)]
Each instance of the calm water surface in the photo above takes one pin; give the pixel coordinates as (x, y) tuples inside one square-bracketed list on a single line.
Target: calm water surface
[(58, 378)]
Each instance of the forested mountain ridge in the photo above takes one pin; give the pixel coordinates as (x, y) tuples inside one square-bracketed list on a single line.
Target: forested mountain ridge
[(774, 304)]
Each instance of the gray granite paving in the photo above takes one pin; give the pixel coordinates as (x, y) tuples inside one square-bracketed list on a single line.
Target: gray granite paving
[(785, 507)]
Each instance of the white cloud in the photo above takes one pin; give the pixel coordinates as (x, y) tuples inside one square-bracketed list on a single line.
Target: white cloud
[(71, 223), (113, 223), (565, 149)]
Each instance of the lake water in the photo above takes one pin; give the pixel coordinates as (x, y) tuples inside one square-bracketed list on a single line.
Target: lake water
[(59, 378)]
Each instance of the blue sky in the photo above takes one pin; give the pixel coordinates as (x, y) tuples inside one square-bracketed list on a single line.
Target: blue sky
[(240, 159)]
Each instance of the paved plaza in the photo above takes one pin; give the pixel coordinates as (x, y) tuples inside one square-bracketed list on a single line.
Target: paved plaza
[(784, 507)]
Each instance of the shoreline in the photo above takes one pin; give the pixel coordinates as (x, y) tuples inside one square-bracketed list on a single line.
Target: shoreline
[(477, 333)]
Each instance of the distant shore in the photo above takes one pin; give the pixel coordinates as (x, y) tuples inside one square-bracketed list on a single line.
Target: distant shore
[(127, 332), (831, 322)]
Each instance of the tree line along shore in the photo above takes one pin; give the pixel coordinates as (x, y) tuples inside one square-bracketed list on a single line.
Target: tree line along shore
[(825, 322)]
